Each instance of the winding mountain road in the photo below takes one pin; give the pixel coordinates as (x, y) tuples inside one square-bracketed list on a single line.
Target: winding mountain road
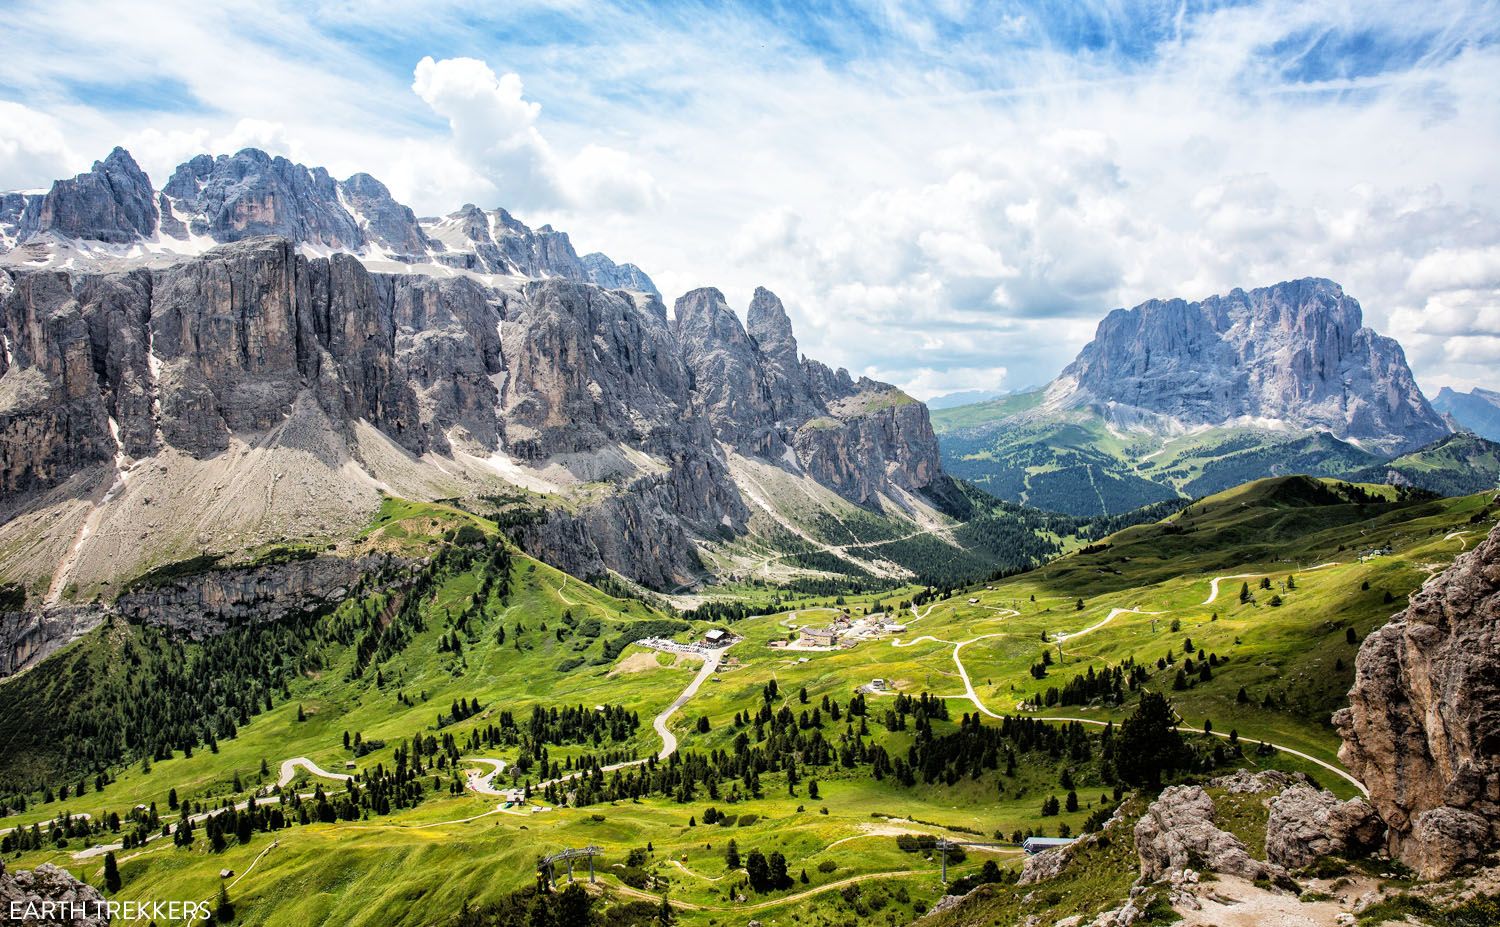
[(1213, 585), (289, 771), (973, 696)]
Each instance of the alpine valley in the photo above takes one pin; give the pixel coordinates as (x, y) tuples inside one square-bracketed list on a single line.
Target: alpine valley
[(362, 568)]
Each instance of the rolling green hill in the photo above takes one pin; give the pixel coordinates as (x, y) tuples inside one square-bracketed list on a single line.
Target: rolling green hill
[(490, 657), (1457, 465), (1077, 464)]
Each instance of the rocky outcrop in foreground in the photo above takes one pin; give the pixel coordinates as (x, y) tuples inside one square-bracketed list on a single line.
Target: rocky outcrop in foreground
[(40, 894), (1422, 729), (1178, 833)]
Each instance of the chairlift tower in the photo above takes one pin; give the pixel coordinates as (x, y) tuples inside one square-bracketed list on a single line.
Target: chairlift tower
[(544, 866)]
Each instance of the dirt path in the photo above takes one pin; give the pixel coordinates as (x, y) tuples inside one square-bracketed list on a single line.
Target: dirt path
[(1065, 635), (973, 696), (964, 674), (699, 875), (1284, 749), (289, 771), (484, 784), (668, 739), (1213, 585)]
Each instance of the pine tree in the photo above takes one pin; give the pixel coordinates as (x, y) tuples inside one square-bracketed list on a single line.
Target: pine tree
[(1149, 744), (111, 873), (224, 909), (731, 855)]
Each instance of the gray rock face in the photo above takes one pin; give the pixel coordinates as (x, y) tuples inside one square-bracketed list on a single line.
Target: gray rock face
[(29, 637), (198, 605), (384, 221), (1295, 353), (496, 242), (27, 891), (234, 197), (227, 346), (726, 379), (1422, 729), (590, 371), (600, 270), (12, 208), (860, 439), (1307, 823), (113, 203), (575, 369), (53, 421), (1177, 833)]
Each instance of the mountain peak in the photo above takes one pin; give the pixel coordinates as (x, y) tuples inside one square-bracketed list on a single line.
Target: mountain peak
[(770, 326), (113, 202), (230, 197), (1291, 355)]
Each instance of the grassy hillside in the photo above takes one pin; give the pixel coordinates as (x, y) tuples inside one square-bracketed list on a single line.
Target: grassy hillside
[(1076, 463), (1454, 466), (779, 743)]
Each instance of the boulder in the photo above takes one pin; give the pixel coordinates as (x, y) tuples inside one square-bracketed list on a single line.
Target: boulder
[(1307, 823), (49, 895), (1177, 833), (1442, 839)]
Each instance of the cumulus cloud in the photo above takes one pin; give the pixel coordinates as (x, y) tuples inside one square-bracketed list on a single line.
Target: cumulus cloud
[(495, 135), (32, 146)]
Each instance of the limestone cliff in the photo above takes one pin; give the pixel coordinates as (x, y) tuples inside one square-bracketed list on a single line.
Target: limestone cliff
[(1422, 729), (1294, 355)]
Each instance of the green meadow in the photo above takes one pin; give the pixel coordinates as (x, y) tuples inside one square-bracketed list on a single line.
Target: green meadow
[(1339, 560)]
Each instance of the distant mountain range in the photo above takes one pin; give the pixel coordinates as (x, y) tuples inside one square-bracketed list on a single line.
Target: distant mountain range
[(1477, 410), (258, 353), (1176, 398)]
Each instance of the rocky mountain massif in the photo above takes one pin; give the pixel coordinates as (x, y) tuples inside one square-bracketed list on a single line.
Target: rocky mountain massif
[(1295, 354), (154, 407), (113, 213), (1176, 398)]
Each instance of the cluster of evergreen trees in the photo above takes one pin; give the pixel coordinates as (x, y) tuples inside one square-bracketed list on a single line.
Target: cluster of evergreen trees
[(1109, 685), (555, 726)]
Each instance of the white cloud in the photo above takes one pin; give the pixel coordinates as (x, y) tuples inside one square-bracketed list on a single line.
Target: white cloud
[(495, 135), (32, 146), (936, 203), (493, 127), (1457, 268)]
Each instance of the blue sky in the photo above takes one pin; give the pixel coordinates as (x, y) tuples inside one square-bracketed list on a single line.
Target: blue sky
[(947, 195)]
